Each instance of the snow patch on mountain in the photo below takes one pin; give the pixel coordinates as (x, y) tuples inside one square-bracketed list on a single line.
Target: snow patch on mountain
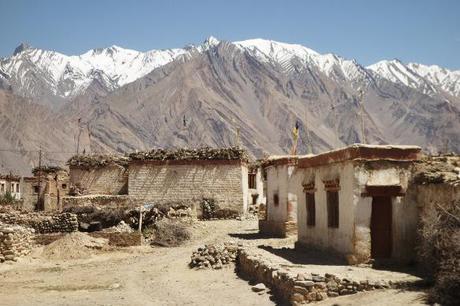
[(288, 56)]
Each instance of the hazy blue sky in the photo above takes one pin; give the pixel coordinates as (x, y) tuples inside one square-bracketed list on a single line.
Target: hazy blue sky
[(424, 31)]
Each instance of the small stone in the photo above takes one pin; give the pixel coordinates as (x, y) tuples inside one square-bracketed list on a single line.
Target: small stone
[(317, 278), (297, 298), (306, 283), (301, 290), (259, 287)]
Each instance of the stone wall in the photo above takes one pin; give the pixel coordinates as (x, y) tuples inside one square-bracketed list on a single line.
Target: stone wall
[(300, 288), (15, 241), (109, 180), (191, 181), (102, 201), (42, 223)]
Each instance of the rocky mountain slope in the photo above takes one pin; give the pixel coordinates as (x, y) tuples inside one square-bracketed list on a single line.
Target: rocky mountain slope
[(112, 100)]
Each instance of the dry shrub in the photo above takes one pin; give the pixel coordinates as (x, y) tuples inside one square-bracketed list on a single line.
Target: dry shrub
[(439, 251), (208, 208), (170, 233)]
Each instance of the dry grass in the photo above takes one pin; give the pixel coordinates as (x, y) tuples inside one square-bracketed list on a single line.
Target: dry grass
[(440, 251)]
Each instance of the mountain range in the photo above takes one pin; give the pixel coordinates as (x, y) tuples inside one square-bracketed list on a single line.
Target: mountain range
[(120, 100)]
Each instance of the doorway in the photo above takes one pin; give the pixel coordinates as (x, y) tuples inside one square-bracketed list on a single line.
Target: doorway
[(381, 233)]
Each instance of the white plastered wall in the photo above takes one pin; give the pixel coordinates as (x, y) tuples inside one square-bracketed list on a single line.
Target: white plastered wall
[(339, 239)]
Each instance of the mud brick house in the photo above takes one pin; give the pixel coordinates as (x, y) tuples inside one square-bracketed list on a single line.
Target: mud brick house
[(99, 174), (45, 190), (10, 183), (191, 175), (354, 202), (280, 218)]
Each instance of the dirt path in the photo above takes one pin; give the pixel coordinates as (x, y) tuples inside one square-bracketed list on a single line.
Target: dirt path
[(138, 276), (145, 276)]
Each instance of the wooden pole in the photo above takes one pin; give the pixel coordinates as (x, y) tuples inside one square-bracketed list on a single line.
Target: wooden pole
[(363, 134), (140, 224), (39, 178)]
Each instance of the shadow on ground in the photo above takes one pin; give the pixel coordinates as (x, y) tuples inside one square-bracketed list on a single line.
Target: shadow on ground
[(310, 257)]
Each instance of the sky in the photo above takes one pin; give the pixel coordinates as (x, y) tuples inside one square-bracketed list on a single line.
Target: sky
[(422, 31)]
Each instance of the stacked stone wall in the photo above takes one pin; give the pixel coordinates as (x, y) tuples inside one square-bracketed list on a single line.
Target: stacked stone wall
[(302, 287), (15, 241), (42, 223)]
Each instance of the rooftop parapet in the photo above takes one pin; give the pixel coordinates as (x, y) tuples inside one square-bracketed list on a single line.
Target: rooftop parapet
[(362, 152)]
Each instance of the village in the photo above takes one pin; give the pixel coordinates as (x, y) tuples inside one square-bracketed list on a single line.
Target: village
[(184, 226)]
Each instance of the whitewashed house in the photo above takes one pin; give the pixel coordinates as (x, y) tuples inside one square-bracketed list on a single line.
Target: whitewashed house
[(352, 201)]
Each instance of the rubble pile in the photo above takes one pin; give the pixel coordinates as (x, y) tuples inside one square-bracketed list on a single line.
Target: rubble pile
[(42, 223), (15, 241), (303, 287), (74, 246), (97, 160), (205, 153), (214, 256)]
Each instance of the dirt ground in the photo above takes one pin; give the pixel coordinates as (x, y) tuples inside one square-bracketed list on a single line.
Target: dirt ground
[(155, 276)]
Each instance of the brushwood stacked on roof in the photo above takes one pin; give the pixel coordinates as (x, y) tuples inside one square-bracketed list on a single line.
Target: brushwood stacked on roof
[(47, 169), (97, 160), (206, 153)]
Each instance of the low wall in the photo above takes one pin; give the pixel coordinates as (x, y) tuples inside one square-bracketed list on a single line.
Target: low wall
[(15, 241), (303, 287), (42, 223), (103, 201)]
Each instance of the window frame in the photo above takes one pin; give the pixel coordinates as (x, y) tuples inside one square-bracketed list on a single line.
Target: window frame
[(333, 210), (310, 202), (252, 181)]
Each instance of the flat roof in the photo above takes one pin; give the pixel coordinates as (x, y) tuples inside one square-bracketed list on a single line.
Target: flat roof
[(362, 152), (278, 160)]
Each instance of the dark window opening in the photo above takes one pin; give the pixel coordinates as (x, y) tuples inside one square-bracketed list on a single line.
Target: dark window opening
[(17, 188), (36, 189), (254, 199), (311, 209), (252, 180), (64, 186), (276, 199), (332, 209)]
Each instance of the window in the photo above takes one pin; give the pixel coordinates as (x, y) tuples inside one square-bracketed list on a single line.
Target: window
[(2, 187), (17, 188), (311, 210), (276, 199), (332, 209), (36, 189), (254, 199), (64, 186), (252, 180)]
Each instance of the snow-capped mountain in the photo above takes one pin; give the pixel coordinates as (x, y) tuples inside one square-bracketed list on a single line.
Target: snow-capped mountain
[(33, 71), (129, 100), (427, 79), (40, 73), (293, 57)]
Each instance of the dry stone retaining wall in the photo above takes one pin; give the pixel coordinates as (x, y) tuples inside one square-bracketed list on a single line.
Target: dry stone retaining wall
[(42, 223), (15, 241), (303, 287)]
